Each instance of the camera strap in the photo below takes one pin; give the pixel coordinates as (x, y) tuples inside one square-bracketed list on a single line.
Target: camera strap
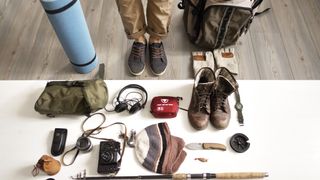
[(73, 159), (83, 143)]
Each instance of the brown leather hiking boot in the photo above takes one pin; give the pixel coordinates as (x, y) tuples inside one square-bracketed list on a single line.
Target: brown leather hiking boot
[(199, 108), (136, 61), (225, 85)]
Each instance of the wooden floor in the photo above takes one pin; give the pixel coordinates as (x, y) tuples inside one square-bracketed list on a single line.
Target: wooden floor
[(282, 44)]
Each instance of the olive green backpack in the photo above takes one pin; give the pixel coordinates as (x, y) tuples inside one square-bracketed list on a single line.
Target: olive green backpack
[(213, 24), (73, 97)]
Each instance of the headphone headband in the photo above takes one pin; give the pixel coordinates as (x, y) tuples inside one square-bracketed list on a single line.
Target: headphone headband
[(134, 86)]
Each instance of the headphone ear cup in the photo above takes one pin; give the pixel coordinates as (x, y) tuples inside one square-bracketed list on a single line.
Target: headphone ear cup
[(135, 108), (121, 107)]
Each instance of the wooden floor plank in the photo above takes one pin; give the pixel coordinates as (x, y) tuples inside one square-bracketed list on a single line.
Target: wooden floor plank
[(27, 38), (3, 6), (40, 50), (267, 44), (19, 40), (311, 12), (282, 44), (8, 34), (248, 68), (303, 56)]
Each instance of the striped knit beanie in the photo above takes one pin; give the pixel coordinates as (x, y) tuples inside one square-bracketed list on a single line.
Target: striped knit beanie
[(158, 151)]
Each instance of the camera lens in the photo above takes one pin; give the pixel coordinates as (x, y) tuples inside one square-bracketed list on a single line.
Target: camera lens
[(84, 144), (108, 157)]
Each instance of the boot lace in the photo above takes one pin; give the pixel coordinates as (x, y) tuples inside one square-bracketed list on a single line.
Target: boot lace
[(220, 101), (203, 104)]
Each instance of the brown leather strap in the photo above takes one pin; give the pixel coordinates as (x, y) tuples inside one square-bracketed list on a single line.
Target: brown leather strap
[(95, 131), (35, 171), (74, 157)]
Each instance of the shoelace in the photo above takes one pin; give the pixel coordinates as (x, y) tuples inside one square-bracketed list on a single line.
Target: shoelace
[(137, 50), (203, 104), (156, 52), (220, 101)]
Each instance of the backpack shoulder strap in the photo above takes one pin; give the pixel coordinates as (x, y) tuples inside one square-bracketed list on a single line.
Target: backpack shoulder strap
[(256, 4)]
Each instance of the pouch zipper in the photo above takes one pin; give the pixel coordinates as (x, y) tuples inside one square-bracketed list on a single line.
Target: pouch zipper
[(66, 83)]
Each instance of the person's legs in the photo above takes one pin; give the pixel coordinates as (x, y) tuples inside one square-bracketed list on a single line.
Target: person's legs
[(158, 17), (132, 15)]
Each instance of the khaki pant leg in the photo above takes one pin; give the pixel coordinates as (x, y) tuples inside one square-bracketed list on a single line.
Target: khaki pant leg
[(132, 15), (158, 17)]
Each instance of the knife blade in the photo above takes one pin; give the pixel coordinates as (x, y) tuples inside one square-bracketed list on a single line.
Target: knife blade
[(206, 146)]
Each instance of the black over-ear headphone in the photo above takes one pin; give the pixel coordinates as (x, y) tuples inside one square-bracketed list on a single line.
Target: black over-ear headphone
[(123, 105)]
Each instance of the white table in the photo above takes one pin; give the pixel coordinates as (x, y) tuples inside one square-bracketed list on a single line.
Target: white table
[(282, 120)]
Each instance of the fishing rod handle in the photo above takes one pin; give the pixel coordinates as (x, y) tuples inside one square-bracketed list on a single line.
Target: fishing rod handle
[(241, 175), (235, 175)]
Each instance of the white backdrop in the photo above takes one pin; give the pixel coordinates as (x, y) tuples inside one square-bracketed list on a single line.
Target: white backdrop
[(281, 121)]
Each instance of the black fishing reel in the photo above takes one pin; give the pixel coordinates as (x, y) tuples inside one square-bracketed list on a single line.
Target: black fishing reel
[(239, 143)]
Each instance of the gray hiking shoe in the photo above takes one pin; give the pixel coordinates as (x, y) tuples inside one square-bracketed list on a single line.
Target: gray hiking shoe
[(136, 61), (158, 59)]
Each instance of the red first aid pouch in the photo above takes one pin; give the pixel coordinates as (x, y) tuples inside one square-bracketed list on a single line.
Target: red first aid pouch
[(165, 106)]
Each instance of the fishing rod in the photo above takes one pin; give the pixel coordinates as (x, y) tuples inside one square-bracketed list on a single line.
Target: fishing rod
[(182, 176)]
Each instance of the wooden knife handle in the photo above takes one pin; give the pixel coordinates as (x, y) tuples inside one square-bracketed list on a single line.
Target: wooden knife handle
[(214, 146), (241, 175)]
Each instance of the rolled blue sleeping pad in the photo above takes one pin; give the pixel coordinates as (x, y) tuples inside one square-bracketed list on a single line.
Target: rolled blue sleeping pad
[(67, 19)]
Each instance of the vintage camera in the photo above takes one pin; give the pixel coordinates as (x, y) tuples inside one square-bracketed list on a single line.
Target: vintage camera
[(109, 157)]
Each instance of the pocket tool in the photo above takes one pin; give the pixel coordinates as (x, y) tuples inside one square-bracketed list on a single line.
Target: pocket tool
[(59, 141), (206, 146)]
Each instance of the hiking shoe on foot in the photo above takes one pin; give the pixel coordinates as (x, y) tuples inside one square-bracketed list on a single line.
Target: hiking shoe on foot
[(136, 61), (158, 59)]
